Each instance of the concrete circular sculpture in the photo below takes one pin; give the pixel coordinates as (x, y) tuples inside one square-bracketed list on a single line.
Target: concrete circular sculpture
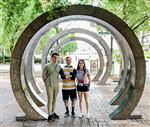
[(124, 88), (76, 12), (90, 33), (95, 46), (29, 74), (29, 81), (28, 71), (26, 61)]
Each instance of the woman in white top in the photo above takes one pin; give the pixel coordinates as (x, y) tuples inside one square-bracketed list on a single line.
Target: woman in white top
[(83, 84)]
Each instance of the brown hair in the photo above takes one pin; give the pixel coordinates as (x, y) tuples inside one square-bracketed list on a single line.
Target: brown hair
[(84, 67), (54, 54)]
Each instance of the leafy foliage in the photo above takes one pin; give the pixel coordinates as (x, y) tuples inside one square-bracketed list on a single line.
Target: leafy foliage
[(117, 56), (147, 54), (15, 15), (69, 48), (136, 13)]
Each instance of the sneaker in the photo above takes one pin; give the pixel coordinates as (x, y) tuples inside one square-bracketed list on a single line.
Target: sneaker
[(55, 116), (66, 114), (50, 117), (80, 115), (88, 115), (73, 115)]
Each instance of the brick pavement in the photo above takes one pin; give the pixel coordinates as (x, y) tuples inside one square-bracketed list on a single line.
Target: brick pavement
[(100, 108)]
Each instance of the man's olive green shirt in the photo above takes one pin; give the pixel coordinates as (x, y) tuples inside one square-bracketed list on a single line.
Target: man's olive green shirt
[(53, 79)]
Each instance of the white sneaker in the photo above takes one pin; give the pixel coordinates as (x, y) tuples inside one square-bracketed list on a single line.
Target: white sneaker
[(88, 115), (80, 115)]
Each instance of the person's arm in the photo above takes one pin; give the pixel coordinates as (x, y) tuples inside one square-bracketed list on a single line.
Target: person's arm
[(74, 74), (89, 77), (44, 74), (62, 75)]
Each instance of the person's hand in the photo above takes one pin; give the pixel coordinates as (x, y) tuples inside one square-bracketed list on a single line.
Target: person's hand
[(89, 84), (80, 84), (68, 78)]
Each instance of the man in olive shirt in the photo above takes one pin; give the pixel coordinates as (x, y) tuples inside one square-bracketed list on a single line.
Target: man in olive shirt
[(50, 76)]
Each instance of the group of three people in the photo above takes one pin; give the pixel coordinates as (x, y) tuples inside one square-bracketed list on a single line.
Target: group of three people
[(70, 76)]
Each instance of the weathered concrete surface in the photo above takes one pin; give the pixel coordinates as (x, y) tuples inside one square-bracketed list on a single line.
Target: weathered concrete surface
[(123, 93), (23, 98), (27, 63), (27, 79)]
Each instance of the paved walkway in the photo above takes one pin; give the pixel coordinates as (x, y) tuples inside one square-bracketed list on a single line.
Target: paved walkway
[(100, 109)]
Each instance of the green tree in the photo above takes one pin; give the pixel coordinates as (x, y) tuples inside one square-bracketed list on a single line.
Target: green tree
[(69, 48), (136, 13), (15, 15)]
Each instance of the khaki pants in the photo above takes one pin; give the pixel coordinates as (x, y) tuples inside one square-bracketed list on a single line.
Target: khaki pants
[(52, 95)]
